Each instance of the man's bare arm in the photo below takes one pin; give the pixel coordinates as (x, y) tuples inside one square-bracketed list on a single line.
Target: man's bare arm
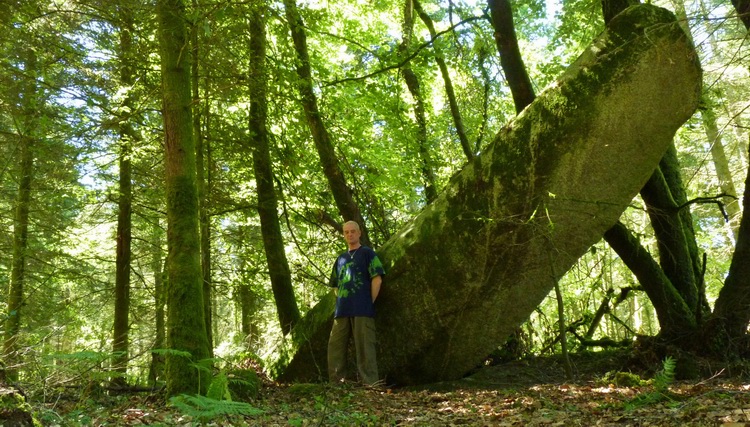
[(375, 287)]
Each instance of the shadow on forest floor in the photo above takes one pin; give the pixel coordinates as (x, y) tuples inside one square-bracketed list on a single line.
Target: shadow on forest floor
[(587, 366), (530, 392), (611, 388)]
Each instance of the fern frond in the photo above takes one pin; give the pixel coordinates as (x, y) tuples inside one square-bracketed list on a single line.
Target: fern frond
[(219, 388), (665, 377), (661, 383), (206, 409)]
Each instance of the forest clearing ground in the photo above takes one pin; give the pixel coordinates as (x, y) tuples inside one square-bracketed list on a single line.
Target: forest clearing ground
[(524, 393)]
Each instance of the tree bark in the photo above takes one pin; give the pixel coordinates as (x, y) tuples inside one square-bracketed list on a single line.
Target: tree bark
[(27, 100), (674, 257), (203, 180), (510, 55), (156, 369), (120, 341), (469, 269), (732, 308), (186, 327), (342, 194), (562, 328), (273, 241), (675, 316)]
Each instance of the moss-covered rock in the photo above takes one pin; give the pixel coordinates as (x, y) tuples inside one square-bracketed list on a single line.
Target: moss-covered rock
[(14, 410), (476, 262)]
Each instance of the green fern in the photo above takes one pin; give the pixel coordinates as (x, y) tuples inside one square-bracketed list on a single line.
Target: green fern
[(244, 384), (665, 377), (205, 409), (661, 383), (219, 388)]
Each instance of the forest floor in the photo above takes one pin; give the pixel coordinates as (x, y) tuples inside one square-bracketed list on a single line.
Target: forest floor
[(531, 392)]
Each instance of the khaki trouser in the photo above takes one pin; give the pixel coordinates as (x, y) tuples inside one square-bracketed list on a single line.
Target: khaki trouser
[(363, 330)]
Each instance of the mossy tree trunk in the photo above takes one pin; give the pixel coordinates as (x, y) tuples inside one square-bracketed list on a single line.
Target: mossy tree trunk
[(186, 327), (674, 315), (121, 327), (203, 176), (732, 309), (273, 241), (467, 271), (673, 284), (27, 113)]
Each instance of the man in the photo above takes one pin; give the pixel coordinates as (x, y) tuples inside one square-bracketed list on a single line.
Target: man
[(357, 276)]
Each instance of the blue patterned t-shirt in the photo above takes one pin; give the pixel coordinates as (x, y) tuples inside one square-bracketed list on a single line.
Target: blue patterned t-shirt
[(352, 274)]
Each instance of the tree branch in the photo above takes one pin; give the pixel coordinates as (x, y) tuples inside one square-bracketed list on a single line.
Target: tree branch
[(408, 58), (715, 199)]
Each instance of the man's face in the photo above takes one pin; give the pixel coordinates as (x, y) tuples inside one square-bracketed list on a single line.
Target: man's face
[(351, 234)]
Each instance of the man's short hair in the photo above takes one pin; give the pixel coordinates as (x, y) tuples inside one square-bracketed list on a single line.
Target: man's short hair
[(356, 224)]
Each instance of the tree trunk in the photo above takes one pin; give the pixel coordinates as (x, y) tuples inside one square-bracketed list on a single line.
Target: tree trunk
[(562, 328), (486, 86), (342, 194), (156, 369), (708, 113), (510, 54), (721, 166), (186, 327), (743, 11), (732, 309), (202, 179), (676, 317), (727, 326), (458, 121), (673, 283), (273, 241), (671, 237), (469, 269), (27, 117), (120, 339), (249, 304), (412, 83)]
